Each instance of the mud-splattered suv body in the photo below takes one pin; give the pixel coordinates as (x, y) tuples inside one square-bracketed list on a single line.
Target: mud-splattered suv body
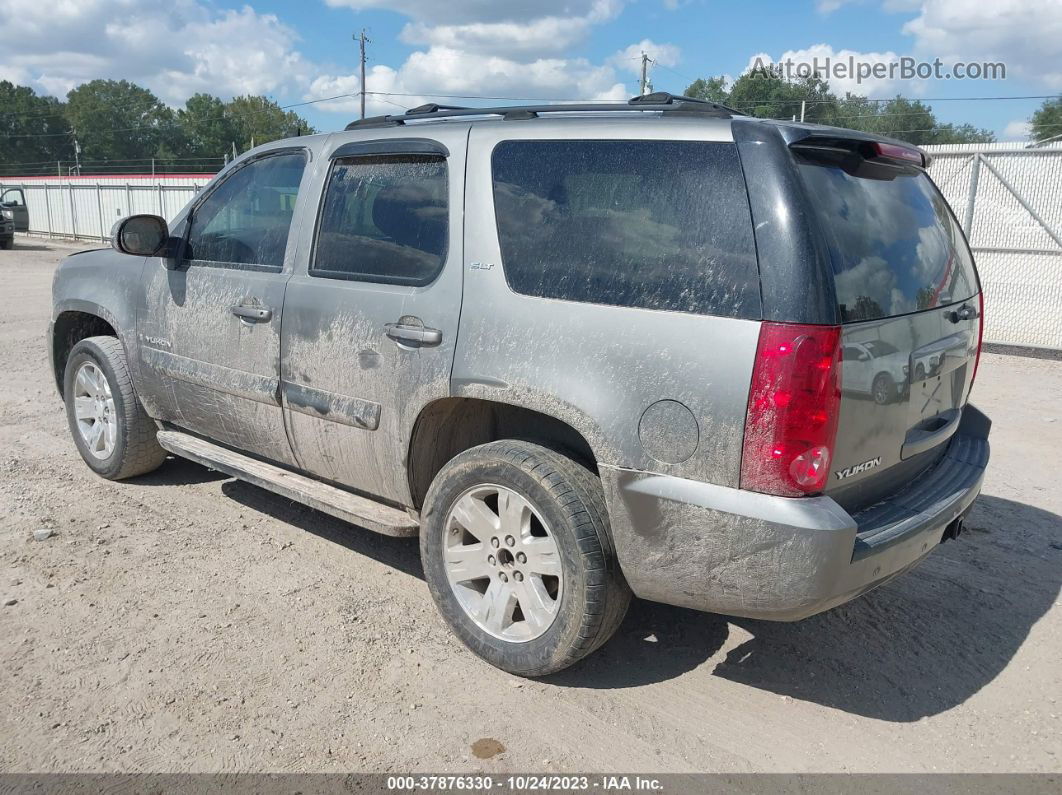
[(620, 290)]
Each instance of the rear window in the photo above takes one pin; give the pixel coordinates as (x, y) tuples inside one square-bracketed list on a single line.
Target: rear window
[(896, 247), (652, 224)]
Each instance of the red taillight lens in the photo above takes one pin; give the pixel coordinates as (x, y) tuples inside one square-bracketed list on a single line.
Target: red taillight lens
[(794, 401), (980, 335), (898, 153)]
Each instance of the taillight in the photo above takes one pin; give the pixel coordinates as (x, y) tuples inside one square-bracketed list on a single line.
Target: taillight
[(980, 335), (894, 152), (794, 402)]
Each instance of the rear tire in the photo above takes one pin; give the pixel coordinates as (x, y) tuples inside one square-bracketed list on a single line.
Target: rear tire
[(111, 430), (531, 600)]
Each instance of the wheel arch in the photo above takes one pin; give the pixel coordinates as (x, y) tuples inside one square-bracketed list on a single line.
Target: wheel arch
[(449, 426), (75, 321)]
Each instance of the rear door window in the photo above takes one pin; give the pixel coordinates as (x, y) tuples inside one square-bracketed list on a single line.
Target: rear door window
[(384, 219), (895, 245), (651, 224)]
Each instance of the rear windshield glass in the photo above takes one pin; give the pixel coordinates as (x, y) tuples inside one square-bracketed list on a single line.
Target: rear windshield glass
[(896, 247), (652, 224)]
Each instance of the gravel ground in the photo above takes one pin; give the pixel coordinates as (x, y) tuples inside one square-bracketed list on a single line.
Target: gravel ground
[(185, 621)]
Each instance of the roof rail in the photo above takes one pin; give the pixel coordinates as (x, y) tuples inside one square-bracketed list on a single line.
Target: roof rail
[(660, 102)]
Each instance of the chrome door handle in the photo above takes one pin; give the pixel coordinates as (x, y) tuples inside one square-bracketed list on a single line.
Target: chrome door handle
[(403, 332), (255, 314)]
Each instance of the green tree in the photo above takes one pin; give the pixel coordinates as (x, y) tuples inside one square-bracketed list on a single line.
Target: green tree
[(260, 120), (712, 89), (767, 95), (206, 129), (119, 121), (908, 120), (763, 93), (33, 131), (1047, 121)]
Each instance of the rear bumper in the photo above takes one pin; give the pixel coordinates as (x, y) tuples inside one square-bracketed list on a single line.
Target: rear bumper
[(741, 553)]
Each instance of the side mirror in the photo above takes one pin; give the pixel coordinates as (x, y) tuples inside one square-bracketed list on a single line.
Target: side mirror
[(140, 235)]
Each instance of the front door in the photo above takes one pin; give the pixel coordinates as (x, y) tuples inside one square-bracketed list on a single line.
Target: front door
[(15, 200), (370, 325), (209, 330)]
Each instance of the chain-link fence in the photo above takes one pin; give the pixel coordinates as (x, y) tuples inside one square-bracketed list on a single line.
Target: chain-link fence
[(1008, 198)]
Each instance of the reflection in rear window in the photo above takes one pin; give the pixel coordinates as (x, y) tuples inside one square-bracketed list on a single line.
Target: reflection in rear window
[(896, 247), (653, 224)]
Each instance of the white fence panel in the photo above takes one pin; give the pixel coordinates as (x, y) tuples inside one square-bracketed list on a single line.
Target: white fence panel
[(85, 208)]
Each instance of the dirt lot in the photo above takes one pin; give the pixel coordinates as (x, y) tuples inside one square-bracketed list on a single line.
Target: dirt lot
[(187, 622)]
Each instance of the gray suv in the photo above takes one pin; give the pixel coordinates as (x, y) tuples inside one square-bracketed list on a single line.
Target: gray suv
[(657, 348)]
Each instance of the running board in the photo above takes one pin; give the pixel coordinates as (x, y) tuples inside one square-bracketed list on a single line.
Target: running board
[(331, 500)]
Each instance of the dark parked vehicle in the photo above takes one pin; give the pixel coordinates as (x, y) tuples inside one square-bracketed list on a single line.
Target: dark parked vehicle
[(582, 351)]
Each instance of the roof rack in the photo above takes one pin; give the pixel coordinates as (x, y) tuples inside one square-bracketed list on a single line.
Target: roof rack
[(661, 102)]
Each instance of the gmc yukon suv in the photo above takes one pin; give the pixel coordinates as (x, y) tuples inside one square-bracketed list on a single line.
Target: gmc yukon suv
[(656, 348)]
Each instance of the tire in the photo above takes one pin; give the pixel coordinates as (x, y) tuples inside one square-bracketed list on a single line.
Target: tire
[(7, 244), (563, 502), (133, 450), (883, 390)]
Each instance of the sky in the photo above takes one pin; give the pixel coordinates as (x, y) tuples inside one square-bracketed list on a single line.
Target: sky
[(422, 50)]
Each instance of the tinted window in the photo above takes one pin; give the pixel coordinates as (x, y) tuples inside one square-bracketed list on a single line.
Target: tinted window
[(654, 224), (384, 219), (246, 219), (896, 248)]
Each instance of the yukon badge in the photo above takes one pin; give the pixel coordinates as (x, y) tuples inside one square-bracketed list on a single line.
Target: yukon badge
[(847, 473)]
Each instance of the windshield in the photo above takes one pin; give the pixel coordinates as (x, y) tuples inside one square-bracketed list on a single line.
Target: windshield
[(896, 247)]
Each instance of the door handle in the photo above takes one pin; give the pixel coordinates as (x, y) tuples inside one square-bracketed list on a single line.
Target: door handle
[(404, 332), (254, 314), (965, 312)]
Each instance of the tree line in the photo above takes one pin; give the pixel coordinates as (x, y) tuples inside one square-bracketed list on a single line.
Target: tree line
[(115, 126), (765, 94)]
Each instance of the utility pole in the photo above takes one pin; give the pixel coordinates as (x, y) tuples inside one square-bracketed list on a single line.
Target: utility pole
[(362, 40), (645, 74), (77, 157), (803, 105)]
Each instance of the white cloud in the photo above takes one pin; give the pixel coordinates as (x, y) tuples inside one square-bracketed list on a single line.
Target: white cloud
[(426, 75), (174, 48), (1025, 34), (1017, 130), (817, 56), (545, 35), (522, 48), (629, 59), (456, 12)]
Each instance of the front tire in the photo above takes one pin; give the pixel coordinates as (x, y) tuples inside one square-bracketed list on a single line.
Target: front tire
[(111, 430), (518, 558), (883, 389)]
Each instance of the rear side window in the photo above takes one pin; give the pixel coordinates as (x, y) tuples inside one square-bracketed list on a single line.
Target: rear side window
[(896, 247), (384, 219), (652, 224)]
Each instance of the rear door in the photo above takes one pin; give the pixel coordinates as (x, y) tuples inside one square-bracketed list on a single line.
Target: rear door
[(908, 298), (370, 323)]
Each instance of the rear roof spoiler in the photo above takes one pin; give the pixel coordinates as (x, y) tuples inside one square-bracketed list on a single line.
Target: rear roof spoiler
[(882, 150)]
